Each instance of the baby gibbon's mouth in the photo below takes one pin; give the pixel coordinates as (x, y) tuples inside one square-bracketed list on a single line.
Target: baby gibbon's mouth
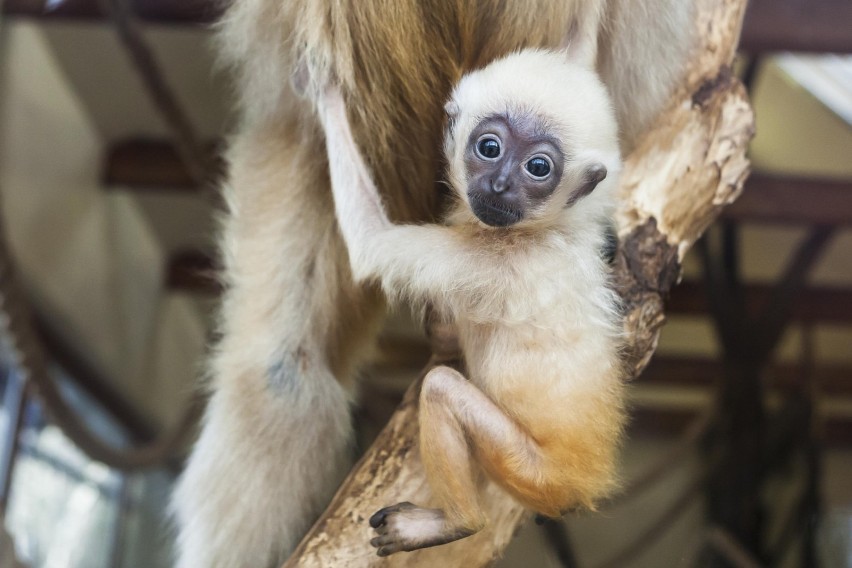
[(492, 213)]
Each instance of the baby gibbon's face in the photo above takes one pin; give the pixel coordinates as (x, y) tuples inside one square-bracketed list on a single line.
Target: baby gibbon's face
[(513, 166)]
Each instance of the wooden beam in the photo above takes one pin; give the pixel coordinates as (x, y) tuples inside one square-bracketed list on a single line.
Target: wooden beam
[(149, 164), (834, 432), (770, 25), (193, 271), (818, 304), (185, 12), (833, 379), (789, 199), (798, 25)]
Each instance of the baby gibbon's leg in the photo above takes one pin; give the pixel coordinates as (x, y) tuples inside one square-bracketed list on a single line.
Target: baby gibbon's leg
[(460, 424)]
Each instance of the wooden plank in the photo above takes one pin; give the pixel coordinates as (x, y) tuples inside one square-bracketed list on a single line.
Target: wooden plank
[(797, 200), (815, 303), (798, 25), (833, 379), (770, 25), (193, 271), (151, 164), (834, 432), (184, 12)]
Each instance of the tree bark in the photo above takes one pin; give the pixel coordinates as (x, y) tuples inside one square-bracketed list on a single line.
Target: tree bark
[(690, 164)]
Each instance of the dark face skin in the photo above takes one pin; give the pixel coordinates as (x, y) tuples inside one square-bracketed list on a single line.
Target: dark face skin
[(513, 165)]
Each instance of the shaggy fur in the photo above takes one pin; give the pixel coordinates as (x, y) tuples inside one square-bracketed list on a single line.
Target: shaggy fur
[(294, 325)]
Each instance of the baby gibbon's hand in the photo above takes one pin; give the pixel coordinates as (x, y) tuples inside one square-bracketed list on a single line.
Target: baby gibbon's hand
[(330, 103)]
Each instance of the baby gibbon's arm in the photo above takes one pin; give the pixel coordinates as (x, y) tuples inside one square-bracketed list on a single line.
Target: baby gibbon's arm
[(418, 258)]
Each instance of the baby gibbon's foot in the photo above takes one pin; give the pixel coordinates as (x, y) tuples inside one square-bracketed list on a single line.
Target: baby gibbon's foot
[(407, 527)]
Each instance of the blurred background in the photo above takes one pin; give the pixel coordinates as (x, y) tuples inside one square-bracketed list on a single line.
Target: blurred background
[(740, 447)]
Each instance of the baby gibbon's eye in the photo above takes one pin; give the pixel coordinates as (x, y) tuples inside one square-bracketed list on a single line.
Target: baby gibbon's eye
[(488, 148), (538, 167)]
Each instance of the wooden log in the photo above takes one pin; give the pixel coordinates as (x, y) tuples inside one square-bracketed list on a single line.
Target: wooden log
[(688, 167)]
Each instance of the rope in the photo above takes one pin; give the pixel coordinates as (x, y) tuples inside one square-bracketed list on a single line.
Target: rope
[(28, 355), (17, 325), (191, 151)]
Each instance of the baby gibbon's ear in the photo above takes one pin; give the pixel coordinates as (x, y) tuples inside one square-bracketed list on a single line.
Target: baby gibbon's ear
[(592, 175)]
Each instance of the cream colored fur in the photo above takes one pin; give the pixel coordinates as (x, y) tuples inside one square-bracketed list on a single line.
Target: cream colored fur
[(294, 325)]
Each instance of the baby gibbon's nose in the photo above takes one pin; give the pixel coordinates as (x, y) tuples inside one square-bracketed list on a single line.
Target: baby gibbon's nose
[(500, 185)]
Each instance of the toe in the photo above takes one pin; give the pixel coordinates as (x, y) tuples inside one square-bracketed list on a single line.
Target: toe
[(387, 550), (382, 529), (378, 518), (381, 541)]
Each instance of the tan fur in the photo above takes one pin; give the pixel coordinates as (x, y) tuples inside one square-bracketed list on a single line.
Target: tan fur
[(269, 457), (543, 410)]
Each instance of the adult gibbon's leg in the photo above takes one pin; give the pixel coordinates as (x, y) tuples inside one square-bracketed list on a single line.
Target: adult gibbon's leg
[(644, 46), (275, 438)]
